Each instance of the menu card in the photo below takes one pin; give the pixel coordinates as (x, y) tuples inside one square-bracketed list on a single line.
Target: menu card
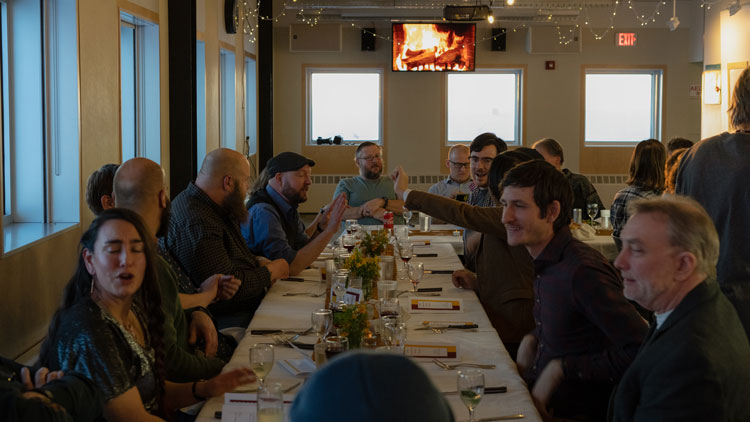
[(418, 349), (418, 304)]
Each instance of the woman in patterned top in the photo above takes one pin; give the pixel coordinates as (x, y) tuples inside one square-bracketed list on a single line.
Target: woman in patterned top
[(646, 180), (109, 326)]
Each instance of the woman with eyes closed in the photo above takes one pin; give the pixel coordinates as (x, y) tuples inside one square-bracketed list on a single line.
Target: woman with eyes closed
[(109, 326)]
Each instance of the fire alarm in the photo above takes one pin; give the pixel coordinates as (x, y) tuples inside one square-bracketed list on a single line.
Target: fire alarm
[(549, 65)]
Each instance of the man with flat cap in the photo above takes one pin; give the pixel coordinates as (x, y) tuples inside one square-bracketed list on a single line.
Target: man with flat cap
[(274, 228)]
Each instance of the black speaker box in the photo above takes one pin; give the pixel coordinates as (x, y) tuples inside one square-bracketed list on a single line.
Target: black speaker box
[(368, 39), (498, 39)]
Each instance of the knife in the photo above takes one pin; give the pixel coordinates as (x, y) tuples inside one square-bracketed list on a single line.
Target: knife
[(430, 289), (459, 327), (500, 418), (293, 279), (426, 255), (487, 390), (438, 271)]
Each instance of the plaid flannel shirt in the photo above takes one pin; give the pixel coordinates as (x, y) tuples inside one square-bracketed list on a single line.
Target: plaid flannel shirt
[(619, 212)]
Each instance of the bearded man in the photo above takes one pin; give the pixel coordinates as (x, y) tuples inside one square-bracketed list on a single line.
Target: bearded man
[(274, 228)]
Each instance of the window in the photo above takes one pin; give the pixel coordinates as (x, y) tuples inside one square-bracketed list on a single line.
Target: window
[(622, 106), (227, 95), (200, 101), (484, 101), (39, 102), (345, 102), (139, 88), (251, 106)]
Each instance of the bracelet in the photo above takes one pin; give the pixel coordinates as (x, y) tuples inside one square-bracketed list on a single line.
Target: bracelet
[(195, 395)]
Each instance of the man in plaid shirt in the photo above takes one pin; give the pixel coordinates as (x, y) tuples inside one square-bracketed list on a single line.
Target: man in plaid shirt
[(587, 333), (204, 235)]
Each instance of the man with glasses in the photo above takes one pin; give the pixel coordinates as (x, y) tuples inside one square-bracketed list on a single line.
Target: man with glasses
[(370, 194), (458, 183)]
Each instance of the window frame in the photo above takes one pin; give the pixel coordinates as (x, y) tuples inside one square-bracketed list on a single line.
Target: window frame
[(310, 70), (250, 113), (658, 92), (227, 109), (520, 103)]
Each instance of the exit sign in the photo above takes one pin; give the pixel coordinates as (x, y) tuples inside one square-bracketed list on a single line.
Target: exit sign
[(625, 39)]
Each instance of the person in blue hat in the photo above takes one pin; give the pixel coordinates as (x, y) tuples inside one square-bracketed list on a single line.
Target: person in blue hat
[(370, 387)]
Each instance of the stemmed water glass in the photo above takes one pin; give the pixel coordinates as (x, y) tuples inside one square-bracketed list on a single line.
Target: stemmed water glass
[(321, 322), (416, 271), (591, 210), (406, 213), (339, 286), (470, 383), (405, 249), (350, 226), (261, 360)]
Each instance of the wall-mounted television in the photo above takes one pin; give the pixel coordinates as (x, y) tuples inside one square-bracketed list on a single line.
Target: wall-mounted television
[(433, 47)]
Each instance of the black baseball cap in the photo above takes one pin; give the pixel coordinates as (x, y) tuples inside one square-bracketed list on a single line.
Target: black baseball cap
[(287, 161)]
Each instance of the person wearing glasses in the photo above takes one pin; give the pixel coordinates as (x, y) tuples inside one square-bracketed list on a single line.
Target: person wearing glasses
[(370, 194), (458, 184)]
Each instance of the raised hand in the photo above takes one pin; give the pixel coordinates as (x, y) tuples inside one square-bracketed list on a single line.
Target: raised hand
[(400, 181)]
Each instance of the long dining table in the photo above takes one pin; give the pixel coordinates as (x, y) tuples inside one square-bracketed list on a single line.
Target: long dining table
[(483, 345)]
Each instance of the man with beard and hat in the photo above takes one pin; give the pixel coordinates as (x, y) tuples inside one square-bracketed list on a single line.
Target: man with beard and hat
[(139, 186), (274, 229), (370, 194), (204, 236)]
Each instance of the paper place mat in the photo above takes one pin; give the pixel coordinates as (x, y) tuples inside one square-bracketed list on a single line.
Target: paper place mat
[(431, 350), (420, 304), (297, 367)]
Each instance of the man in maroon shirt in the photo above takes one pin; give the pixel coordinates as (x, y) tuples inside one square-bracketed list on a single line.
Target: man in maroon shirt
[(587, 333)]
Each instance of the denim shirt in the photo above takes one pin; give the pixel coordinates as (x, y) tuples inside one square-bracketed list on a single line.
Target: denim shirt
[(264, 230)]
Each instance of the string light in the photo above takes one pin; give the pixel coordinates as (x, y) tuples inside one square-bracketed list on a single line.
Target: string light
[(642, 17)]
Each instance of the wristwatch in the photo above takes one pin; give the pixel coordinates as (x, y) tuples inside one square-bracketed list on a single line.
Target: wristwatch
[(385, 204)]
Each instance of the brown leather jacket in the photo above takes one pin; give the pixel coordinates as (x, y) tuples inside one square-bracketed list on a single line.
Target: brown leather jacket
[(504, 273)]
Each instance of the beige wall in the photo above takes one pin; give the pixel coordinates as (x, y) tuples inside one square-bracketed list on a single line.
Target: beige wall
[(414, 106), (727, 43)]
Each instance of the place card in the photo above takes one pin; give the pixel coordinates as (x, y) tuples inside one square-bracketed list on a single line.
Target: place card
[(439, 324), (431, 350), (351, 296), (421, 304)]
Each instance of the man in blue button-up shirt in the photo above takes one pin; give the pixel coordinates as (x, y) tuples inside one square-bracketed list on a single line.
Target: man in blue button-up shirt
[(274, 228)]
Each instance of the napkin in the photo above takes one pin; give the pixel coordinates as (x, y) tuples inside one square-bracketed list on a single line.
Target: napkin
[(298, 367)]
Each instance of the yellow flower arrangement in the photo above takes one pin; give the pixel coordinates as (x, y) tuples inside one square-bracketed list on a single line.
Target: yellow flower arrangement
[(368, 268), (374, 243)]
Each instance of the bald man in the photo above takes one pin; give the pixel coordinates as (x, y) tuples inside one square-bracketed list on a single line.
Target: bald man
[(458, 182), (139, 186), (204, 235)]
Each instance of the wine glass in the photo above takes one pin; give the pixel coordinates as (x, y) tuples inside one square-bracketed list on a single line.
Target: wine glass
[(348, 242), (591, 210), (350, 226), (261, 360), (339, 286), (416, 271), (405, 250), (406, 213), (321, 322), (470, 383)]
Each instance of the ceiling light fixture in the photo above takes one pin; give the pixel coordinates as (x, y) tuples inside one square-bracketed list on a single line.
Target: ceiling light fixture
[(673, 21), (734, 8), (490, 19), (466, 13)]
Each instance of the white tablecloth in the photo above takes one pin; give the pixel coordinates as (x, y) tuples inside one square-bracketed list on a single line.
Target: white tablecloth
[(484, 346)]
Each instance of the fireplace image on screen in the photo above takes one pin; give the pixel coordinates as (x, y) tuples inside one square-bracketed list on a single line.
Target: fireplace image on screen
[(433, 47)]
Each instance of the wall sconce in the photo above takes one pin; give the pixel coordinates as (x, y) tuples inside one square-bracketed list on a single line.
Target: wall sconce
[(712, 87)]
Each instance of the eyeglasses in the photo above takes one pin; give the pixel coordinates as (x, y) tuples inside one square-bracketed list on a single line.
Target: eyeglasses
[(459, 165), (485, 160), (371, 157)]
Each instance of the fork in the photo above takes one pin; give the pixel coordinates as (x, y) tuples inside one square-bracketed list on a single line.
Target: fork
[(448, 367), (305, 294)]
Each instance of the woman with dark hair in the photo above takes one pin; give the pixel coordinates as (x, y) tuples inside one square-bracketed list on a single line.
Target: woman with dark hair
[(670, 170), (503, 280), (110, 325), (646, 179)]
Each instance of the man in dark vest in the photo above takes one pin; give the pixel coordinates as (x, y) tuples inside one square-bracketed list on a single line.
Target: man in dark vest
[(274, 228)]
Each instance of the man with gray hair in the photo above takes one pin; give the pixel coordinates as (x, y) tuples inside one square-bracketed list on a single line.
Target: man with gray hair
[(715, 172), (693, 363)]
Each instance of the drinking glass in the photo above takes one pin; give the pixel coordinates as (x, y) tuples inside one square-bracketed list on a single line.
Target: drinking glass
[(470, 383), (355, 283), (416, 271), (402, 233), (406, 213), (270, 404), (349, 241), (261, 360), (591, 210), (387, 289), (339, 256), (336, 345), (321, 322), (395, 334), (350, 226)]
